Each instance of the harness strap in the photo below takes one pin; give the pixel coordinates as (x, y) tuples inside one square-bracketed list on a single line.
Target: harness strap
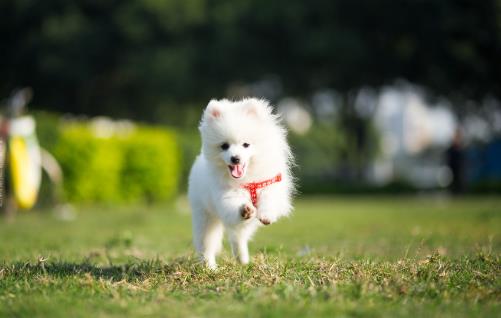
[(252, 187)]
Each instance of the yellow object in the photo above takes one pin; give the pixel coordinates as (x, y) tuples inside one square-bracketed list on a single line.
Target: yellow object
[(24, 161), (24, 187)]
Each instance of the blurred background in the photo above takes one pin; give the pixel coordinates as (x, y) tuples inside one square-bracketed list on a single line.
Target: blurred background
[(379, 96)]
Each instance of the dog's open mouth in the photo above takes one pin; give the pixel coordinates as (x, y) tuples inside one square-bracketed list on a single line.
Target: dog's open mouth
[(237, 171)]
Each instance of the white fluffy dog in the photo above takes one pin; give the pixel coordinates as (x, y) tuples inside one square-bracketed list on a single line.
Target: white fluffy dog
[(242, 177)]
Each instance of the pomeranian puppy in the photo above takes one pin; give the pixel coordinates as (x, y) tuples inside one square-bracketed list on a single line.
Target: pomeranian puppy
[(241, 179)]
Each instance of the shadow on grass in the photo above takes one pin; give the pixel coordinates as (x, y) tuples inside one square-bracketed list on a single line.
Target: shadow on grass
[(128, 271)]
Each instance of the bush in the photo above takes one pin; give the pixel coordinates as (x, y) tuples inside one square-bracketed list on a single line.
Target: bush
[(151, 165), (91, 165), (140, 164)]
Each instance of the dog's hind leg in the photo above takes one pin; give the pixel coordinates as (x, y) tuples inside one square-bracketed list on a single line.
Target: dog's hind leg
[(207, 237), (239, 239)]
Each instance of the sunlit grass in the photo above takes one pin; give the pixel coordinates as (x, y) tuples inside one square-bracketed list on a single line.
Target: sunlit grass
[(357, 256)]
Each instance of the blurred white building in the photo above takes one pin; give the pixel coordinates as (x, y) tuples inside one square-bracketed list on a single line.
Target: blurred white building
[(409, 126)]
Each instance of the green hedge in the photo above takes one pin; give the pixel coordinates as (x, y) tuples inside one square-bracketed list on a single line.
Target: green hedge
[(140, 165), (151, 165)]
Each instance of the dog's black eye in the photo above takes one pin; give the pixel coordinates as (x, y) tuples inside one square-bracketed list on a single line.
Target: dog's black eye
[(246, 145), (225, 146)]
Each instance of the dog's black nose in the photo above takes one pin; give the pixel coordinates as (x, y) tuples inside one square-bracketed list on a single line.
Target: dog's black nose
[(235, 160)]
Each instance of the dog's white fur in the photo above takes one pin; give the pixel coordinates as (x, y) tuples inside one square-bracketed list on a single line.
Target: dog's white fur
[(217, 198)]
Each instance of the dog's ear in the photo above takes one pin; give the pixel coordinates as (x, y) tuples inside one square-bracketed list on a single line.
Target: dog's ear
[(257, 107), (212, 110)]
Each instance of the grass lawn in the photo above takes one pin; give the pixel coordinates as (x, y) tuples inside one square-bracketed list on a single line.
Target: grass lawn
[(347, 256)]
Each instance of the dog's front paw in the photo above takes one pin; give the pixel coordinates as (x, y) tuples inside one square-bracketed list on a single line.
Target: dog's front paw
[(265, 220), (247, 211)]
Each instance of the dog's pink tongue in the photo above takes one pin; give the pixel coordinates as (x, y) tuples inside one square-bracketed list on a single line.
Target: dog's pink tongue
[(237, 171)]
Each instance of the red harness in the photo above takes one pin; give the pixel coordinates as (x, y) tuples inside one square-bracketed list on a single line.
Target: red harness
[(253, 186)]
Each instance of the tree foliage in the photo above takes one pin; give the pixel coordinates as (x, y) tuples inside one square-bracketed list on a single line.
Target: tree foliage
[(138, 58)]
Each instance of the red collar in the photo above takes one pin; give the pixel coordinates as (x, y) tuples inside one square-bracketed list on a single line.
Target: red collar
[(253, 186)]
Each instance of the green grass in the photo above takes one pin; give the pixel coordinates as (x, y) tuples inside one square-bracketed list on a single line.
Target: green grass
[(406, 256)]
